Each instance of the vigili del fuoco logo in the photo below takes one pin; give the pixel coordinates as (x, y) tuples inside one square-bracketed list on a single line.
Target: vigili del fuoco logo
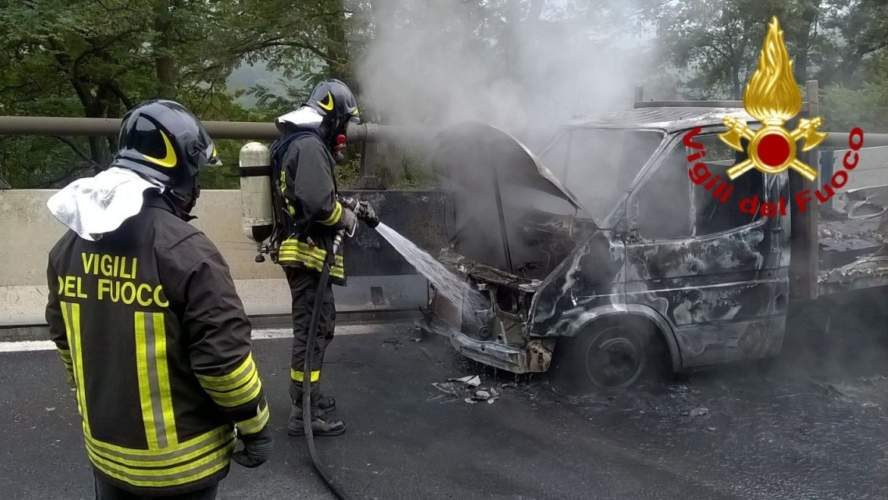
[(772, 97)]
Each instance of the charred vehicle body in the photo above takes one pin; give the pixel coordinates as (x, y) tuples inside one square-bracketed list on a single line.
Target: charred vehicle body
[(634, 270)]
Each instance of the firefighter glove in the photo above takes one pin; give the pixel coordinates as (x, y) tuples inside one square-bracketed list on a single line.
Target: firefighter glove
[(256, 450), (348, 221), (347, 201), (364, 211)]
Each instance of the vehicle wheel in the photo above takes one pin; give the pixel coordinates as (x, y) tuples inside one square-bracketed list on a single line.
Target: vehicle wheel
[(611, 356)]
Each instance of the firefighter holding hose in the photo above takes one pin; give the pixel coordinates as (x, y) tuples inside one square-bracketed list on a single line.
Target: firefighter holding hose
[(309, 214)]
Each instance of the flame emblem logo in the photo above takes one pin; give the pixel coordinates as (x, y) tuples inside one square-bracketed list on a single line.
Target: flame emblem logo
[(772, 97)]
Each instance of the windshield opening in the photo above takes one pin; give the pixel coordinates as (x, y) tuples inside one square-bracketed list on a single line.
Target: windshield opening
[(598, 165)]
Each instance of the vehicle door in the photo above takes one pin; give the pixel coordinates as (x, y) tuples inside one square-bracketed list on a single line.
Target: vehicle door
[(718, 275)]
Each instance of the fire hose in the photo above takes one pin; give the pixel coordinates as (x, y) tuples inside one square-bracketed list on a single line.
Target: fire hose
[(306, 382)]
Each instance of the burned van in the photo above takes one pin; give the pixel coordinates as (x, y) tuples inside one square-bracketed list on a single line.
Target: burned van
[(603, 258)]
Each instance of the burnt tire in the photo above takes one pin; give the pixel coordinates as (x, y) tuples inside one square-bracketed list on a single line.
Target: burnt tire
[(611, 357)]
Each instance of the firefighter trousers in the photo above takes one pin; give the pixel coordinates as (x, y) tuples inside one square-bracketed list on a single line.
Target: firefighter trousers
[(303, 288)]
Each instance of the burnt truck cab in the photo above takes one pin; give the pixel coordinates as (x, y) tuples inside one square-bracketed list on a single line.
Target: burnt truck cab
[(602, 258)]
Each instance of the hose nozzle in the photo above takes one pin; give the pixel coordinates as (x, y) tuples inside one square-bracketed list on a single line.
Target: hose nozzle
[(337, 240)]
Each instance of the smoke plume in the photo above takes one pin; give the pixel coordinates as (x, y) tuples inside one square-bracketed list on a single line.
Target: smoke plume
[(525, 66)]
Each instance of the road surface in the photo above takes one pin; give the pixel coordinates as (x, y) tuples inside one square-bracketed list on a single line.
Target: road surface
[(783, 429)]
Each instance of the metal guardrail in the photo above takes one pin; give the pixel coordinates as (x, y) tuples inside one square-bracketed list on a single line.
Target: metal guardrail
[(65, 126), (837, 140), (834, 140), (365, 132), (688, 104)]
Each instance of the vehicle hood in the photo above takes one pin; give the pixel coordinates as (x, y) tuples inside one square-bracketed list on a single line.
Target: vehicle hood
[(504, 199), (471, 152)]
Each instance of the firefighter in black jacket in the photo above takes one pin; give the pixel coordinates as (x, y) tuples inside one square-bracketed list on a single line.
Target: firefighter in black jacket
[(309, 213), (145, 316)]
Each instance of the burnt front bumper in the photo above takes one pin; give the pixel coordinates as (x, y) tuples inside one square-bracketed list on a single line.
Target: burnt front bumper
[(491, 353), (534, 357)]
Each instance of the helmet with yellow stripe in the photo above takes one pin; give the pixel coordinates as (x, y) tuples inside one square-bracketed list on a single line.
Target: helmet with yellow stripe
[(336, 104), (162, 140)]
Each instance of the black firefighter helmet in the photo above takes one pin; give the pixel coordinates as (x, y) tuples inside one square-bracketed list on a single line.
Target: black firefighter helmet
[(336, 103), (162, 140)]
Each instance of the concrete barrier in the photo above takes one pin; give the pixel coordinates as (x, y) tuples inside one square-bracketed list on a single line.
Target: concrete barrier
[(379, 279), (871, 170)]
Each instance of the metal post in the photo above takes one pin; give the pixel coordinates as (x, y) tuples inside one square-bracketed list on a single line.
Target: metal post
[(504, 233), (812, 92), (804, 243)]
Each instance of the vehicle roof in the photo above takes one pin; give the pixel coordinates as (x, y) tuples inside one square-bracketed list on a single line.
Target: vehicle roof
[(668, 119)]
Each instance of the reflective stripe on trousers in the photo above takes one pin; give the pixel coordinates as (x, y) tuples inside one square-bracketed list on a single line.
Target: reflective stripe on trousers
[(299, 375)]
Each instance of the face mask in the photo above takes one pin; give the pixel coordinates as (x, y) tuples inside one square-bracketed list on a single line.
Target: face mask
[(195, 194), (185, 202), (339, 148)]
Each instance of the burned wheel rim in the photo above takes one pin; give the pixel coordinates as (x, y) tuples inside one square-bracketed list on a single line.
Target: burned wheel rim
[(614, 359)]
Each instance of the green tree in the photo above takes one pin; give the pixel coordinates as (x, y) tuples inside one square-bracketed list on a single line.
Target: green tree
[(96, 58), (304, 42), (715, 42)]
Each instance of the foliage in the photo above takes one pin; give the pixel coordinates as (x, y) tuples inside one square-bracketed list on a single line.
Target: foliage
[(717, 41), (714, 44), (97, 58), (865, 107)]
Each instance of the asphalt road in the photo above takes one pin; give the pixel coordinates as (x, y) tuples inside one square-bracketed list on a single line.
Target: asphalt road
[(784, 429)]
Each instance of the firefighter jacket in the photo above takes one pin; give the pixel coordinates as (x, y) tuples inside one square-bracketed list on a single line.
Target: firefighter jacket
[(154, 336), (306, 205)]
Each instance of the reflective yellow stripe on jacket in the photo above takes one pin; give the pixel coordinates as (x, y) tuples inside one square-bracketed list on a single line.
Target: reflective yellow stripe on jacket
[(166, 462), (240, 386), (154, 381), (335, 215), (71, 316), (293, 251), (192, 460), (282, 186), (254, 424), (65, 355)]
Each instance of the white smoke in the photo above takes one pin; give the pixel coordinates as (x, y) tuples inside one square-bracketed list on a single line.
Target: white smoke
[(526, 66)]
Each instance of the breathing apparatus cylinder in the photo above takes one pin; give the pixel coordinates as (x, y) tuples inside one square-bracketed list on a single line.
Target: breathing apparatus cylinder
[(257, 212)]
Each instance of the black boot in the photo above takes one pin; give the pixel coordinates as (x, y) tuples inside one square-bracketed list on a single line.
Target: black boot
[(322, 405), (326, 405), (319, 426)]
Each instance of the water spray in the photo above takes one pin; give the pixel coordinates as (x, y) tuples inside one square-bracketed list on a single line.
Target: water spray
[(448, 284)]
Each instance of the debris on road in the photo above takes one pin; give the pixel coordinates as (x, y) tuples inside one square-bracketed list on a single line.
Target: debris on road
[(678, 388), (468, 389), (699, 412), (446, 388), (489, 395), (393, 342), (482, 395), (472, 380)]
